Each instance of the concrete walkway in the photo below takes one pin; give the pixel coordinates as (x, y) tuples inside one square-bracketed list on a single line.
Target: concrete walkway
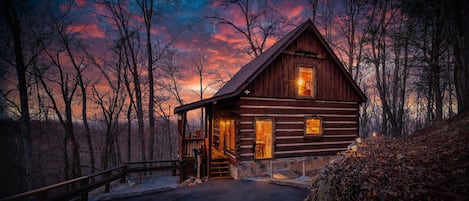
[(227, 190)]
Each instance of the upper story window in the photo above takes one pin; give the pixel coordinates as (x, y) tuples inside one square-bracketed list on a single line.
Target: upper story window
[(306, 76)]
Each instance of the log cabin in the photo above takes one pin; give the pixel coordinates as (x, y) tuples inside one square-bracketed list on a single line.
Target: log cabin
[(295, 106)]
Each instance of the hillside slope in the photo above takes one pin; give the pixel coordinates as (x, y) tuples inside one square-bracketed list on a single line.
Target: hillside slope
[(431, 164)]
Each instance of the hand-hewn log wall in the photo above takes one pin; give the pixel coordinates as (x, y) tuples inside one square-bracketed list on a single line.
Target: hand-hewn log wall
[(340, 124)]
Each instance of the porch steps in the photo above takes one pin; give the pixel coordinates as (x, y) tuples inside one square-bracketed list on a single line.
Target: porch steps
[(220, 169)]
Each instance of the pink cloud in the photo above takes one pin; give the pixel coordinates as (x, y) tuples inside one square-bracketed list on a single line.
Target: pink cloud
[(80, 2), (154, 31), (296, 11), (87, 30)]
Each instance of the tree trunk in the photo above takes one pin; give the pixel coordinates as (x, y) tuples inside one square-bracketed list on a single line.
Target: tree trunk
[(147, 11), (461, 72), (85, 121), (138, 95), (76, 165), (129, 132), (201, 98), (84, 115), (25, 138)]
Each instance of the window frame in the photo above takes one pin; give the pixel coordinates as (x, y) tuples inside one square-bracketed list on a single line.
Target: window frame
[(273, 137), (314, 81), (321, 127)]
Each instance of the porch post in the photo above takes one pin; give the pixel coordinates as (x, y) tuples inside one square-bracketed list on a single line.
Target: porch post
[(181, 130), (209, 115)]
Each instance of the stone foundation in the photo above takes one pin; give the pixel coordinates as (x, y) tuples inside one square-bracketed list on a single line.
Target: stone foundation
[(263, 168)]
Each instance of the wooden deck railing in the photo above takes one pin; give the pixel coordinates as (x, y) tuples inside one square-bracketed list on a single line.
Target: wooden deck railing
[(81, 186)]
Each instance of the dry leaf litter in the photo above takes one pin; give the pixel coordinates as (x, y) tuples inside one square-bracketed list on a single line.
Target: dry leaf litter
[(431, 164)]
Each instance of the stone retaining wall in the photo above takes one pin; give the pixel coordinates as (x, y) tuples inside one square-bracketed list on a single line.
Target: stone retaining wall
[(263, 168)]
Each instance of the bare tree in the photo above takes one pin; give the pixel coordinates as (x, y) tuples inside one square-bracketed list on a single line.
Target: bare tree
[(326, 11), (111, 103), (14, 25), (165, 114), (462, 68), (67, 91), (208, 78), (171, 72), (314, 6), (386, 25), (353, 29), (79, 67), (65, 57), (260, 22), (151, 16), (456, 21), (146, 7), (199, 63), (131, 46), (432, 43), (169, 82)]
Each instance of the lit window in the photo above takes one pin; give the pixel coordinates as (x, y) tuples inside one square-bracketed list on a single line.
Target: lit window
[(305, 81), (313, 126), (227, 134), (264, 139)]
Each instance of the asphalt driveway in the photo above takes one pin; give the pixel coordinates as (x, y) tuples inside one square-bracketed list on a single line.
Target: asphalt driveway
[(227, 190)]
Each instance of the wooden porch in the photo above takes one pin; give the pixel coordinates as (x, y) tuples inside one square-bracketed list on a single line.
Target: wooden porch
[(214, 162)]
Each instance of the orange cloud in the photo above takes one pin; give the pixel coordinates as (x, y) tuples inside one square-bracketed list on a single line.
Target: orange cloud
[(87, 30), (296, 11)]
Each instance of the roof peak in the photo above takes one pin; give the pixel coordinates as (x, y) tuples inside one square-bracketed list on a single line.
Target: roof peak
[(252, 69)]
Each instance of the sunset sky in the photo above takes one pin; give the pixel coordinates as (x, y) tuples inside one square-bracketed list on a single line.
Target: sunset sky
[(220, 43)]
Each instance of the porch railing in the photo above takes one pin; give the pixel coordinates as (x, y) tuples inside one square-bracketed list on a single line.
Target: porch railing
[(81, 186), (196, 134), (194, 140)]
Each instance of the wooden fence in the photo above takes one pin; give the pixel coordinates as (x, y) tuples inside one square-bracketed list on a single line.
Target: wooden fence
[(81, 186)]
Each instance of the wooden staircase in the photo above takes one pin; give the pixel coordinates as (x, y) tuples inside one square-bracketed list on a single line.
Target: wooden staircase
[(220, 169)]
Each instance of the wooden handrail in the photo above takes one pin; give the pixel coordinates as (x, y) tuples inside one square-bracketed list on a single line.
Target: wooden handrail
[(86, 187), (46, 188), (146, 162), (108, 170), (195, 139)]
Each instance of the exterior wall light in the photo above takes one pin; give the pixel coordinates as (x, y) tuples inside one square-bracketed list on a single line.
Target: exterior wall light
[(358, 140)]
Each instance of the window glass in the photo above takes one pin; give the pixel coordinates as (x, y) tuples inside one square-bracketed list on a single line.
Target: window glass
[(231, 134), (264, 139), (227, 134), (313, 126), (305, 81)]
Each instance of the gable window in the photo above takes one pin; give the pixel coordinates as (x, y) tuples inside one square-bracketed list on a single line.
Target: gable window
[(313, 126), (306, 78), (264, 138)]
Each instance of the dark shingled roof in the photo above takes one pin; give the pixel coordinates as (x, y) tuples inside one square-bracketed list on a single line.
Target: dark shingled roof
[(251, 70)]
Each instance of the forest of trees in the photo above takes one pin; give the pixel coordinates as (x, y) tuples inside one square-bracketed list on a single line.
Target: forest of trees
[(407, 56), (74, 107)]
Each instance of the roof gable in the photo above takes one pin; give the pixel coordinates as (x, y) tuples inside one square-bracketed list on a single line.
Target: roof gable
[(252, 69), (248, 72)]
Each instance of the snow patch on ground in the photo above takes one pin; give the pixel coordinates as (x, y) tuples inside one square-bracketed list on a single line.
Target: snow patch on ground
[(136, 186)]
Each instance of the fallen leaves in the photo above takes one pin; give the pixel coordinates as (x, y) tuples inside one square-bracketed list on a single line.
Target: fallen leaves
[(431, 164)]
